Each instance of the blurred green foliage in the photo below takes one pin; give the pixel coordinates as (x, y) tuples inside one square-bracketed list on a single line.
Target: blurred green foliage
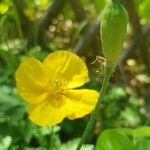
[(143, 7), (125, 105)]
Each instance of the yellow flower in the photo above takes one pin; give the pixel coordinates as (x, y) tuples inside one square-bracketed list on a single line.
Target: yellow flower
[(48, 88)]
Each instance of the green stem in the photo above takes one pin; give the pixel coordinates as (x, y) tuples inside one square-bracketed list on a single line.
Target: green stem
[(18, 24), (91, 123), (51, 146)]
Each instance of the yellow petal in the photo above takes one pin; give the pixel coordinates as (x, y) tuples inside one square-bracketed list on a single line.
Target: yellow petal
[(44, 114), (69, 65), (31, 80), (83, 102)]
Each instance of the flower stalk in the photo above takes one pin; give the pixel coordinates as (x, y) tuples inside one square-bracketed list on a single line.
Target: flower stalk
[(107, 74)]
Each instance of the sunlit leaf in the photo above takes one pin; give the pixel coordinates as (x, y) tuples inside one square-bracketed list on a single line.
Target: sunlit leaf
[(3, 8), (113, 140), (142, 132), (143, 144)]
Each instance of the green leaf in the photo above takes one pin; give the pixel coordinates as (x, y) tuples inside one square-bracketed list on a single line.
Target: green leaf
[(113, 140), (142, 132), (126, 131), (143, 144)]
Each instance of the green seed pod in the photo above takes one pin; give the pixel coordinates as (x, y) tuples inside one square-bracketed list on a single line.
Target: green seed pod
[(113, 30)]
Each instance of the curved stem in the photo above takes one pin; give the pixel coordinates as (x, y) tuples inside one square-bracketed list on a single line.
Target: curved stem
[(91, 123)]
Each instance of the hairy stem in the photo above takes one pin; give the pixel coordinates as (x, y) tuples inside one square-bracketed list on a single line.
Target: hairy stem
[(91, 123)]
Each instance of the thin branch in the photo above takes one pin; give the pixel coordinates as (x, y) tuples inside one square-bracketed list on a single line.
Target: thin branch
[(25, 22), (133, 15), (85, 41), (51, 13), (140, 37), (136, 43), (78, 9), (43, 23)]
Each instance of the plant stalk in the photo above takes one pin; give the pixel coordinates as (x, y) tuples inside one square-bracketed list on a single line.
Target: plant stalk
[(91, 123)]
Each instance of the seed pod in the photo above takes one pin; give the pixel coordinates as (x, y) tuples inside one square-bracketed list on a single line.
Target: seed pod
[(113, 30)]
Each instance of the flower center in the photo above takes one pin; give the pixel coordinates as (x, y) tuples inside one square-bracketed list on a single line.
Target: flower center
[(56, 89)]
